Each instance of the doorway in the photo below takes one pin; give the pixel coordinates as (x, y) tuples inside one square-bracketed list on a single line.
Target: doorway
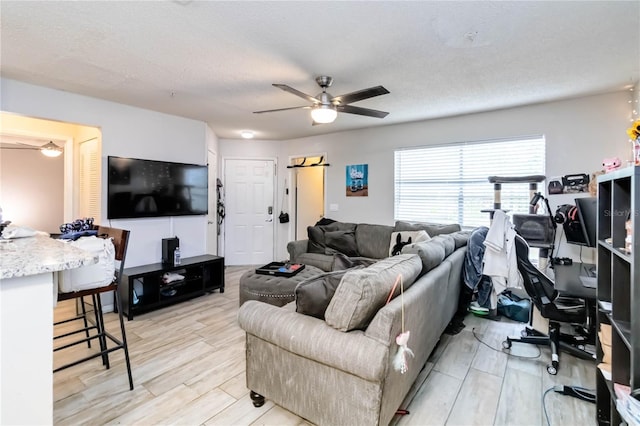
[(77, 181), (308, 183), (249, 222)]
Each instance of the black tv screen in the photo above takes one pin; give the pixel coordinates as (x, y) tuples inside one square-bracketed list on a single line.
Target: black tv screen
[(147, 188)]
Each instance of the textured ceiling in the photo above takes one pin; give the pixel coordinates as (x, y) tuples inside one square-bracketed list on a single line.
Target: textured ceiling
[(216, 61)]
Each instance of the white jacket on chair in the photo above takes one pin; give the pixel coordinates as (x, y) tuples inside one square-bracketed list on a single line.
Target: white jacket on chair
[(500, 261)]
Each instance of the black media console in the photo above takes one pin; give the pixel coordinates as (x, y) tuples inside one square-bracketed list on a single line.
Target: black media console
[(149, 287)]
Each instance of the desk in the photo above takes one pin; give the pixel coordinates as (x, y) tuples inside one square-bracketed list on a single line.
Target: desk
[(567, 281)]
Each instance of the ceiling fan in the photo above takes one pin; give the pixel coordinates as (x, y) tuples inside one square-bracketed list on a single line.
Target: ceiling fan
[(325, 107), (49, 149)]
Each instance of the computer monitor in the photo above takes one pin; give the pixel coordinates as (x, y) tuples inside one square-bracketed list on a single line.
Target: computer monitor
[(583, 230)]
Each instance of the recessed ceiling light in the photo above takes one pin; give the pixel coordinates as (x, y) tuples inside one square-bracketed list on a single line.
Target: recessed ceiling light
[(247, 134)]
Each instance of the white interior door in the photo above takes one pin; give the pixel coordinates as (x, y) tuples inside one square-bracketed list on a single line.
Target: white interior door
[(309, 198), (249, 224)]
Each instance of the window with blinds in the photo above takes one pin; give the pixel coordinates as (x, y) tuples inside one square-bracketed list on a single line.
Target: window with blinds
[(448, 183)]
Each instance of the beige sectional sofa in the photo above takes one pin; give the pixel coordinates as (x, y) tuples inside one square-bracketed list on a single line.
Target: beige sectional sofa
[(338, 370)]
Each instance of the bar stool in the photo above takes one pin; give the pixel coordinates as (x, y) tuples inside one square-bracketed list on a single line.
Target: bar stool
[(120, 239)]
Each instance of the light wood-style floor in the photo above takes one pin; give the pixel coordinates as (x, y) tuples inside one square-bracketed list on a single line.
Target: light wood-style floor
[(188, 368)]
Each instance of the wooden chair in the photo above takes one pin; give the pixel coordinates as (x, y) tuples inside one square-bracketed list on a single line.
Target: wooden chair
[(120, 240)]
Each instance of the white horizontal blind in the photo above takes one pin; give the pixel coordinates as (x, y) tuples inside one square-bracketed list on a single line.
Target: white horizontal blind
[(449, 183)]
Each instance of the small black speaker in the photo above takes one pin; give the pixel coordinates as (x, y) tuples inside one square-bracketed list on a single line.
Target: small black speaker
[(169, 248)]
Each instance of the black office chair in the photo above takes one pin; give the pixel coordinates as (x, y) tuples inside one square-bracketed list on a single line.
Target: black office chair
[(554, 308), (120, 240)]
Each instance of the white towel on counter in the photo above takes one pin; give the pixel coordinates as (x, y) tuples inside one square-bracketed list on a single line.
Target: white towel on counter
[(13, 231)]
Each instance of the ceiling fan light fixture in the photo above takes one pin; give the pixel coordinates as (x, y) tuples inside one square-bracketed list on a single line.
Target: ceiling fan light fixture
[(324, 114), (51, 150)]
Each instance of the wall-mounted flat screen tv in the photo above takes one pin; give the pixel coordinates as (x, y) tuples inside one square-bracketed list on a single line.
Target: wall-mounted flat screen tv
[(147, 188)]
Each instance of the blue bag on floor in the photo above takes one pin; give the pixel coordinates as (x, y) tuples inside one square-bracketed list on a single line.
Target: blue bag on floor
[(513, 307)]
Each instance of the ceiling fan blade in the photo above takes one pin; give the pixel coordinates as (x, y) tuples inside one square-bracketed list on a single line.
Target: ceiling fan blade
[(282, 109), (15, 147), (297, 93), (359, 95), (362, 111)]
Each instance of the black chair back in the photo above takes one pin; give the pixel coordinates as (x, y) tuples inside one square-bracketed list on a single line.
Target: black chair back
[(538, 286), (120, 238)]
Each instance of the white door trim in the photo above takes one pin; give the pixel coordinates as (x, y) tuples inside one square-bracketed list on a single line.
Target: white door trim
[(291, 198)]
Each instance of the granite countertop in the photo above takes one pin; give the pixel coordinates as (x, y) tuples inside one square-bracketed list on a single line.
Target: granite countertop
[(20, 257)]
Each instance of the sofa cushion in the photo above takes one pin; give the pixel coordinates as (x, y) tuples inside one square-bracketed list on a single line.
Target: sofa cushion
[(342, 262), (448, 243), (314, 294), (431, 253), (317, 236), (362, 292), (373, 240), (341, 242), (316, 239), (432, 229), (319, 260), (461, 238), (404, 238)]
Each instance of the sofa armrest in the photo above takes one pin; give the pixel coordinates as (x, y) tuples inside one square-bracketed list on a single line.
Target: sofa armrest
[(296, 248), (312, 338)]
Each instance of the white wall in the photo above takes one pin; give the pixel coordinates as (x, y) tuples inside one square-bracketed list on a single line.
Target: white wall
[(128, 132), (43, 178), (579, 134)]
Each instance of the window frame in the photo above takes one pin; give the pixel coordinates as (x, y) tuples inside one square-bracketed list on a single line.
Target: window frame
[(515, 197)]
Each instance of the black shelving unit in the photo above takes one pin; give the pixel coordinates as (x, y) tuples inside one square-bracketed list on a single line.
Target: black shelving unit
[(143, 288), (619, 286)]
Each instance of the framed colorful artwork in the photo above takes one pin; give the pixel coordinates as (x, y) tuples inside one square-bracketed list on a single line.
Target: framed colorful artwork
[(357, 180)]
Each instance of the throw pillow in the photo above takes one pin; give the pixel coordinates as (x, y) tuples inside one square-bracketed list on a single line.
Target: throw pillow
[(316, 239), (362, 292), (341, 241), (316, 234), (314, 294), (401, 239)]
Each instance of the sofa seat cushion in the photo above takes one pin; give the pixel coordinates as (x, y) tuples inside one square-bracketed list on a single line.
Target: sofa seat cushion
[(361, 293), (321, 261), (341, 262)]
